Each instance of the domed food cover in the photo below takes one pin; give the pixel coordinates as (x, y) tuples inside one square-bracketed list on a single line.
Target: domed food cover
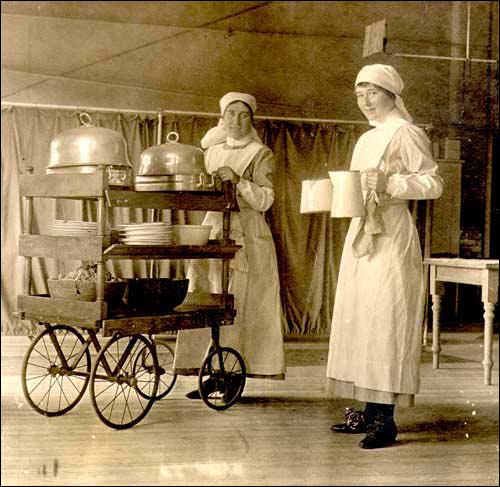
[(172, 166), (81, 150)]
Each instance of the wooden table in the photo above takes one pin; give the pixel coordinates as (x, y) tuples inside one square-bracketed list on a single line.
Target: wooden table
[(480, 272)]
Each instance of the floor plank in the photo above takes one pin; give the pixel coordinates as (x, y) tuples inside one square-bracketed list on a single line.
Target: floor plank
[(279, 434)]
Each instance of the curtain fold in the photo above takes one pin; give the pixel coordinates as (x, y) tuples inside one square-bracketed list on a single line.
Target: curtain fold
[(308, 246)]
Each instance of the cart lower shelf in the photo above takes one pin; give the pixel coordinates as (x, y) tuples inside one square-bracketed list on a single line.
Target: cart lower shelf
[(199, 310)]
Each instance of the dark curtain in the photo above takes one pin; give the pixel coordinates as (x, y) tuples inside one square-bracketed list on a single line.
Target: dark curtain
[(308, 246)]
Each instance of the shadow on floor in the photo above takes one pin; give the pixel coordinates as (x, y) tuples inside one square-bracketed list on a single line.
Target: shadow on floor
[(315, 357)]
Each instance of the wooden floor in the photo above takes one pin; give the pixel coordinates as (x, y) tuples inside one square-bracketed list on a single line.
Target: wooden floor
[(279, 434)]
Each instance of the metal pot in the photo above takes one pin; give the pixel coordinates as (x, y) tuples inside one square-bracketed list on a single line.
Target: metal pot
[(172, 166), (81, 150)]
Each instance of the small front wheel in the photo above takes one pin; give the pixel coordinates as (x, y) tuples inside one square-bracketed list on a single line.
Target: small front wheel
[(122, 393), (222, 378), (56, 370)]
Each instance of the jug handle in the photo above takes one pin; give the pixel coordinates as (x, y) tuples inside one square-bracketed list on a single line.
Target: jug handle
[(200, 180), (212, 180)]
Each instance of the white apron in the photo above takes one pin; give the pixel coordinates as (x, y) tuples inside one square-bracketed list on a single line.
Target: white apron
[(257, 332), (375, 342)]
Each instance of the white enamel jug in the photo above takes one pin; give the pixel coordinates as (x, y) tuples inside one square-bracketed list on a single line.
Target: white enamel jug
[(347, 195), (316, 196)]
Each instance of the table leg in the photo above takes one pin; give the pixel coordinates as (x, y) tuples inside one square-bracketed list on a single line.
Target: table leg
[(436, 324), (488, 341)]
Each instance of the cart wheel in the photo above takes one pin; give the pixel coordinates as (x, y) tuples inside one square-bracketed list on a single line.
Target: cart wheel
[(54, 381), (121, 394), (165, 357), (225, 372)]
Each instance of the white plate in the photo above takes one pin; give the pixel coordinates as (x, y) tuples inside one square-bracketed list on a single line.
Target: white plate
[(144, 225), (71, 229), (77, 229), (86, 229), (64, 223), (73, 232)]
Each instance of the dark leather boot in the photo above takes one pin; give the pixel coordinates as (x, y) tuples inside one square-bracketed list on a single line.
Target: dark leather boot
[(382, 431), (355, 423)]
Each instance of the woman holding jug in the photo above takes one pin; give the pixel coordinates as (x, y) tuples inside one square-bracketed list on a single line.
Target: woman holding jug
[(375, 342)]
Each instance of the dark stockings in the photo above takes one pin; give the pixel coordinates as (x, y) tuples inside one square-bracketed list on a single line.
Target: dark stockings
[(382, 412)]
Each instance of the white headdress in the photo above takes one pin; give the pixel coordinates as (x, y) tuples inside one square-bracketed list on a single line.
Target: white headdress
[(218, 134), (231, 97), (387, 77)]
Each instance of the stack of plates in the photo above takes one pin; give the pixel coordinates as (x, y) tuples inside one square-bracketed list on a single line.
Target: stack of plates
[(73, 228), (146, 234)]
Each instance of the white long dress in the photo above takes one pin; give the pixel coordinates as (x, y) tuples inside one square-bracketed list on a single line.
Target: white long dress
[(375, 341), (254, 281)]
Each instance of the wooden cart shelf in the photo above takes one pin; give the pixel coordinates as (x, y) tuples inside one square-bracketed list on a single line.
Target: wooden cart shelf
[(199, 311), (95, 185), (180, 200), (120, 251), (70, 186), (189, 317), (63, 247), (44, 309), (92, 248)]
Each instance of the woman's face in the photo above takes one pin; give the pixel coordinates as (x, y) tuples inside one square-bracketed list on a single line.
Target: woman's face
[(374, 101), (237, 120)]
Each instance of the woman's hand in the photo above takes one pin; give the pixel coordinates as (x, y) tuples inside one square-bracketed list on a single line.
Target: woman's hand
[(225, 173), (376, 180)]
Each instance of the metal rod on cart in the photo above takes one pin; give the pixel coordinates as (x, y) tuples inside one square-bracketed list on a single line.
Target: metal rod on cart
[(229, 189), (101, 229), (155, 213), (160, 121), (154, 216), (28, 220)]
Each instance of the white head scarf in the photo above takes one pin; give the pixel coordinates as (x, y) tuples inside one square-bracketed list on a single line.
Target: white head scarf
[(231, 97), (218, 134), (387, 77)]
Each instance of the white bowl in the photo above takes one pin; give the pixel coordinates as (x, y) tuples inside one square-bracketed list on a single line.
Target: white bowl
[(190, 234)]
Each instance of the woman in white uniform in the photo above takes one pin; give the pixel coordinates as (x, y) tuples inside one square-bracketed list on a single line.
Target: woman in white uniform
[(235, 153), (375, 342)]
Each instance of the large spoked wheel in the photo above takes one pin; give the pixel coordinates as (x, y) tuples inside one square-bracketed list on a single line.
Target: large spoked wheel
[(56, 370), (222, 378), (166, 375), (121, 393)]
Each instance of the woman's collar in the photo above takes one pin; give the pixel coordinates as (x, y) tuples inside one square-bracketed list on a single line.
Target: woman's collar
[(391, 117), (239, 142)]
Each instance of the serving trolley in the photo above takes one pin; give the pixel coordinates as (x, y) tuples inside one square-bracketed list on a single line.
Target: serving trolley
[(120, 357)]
